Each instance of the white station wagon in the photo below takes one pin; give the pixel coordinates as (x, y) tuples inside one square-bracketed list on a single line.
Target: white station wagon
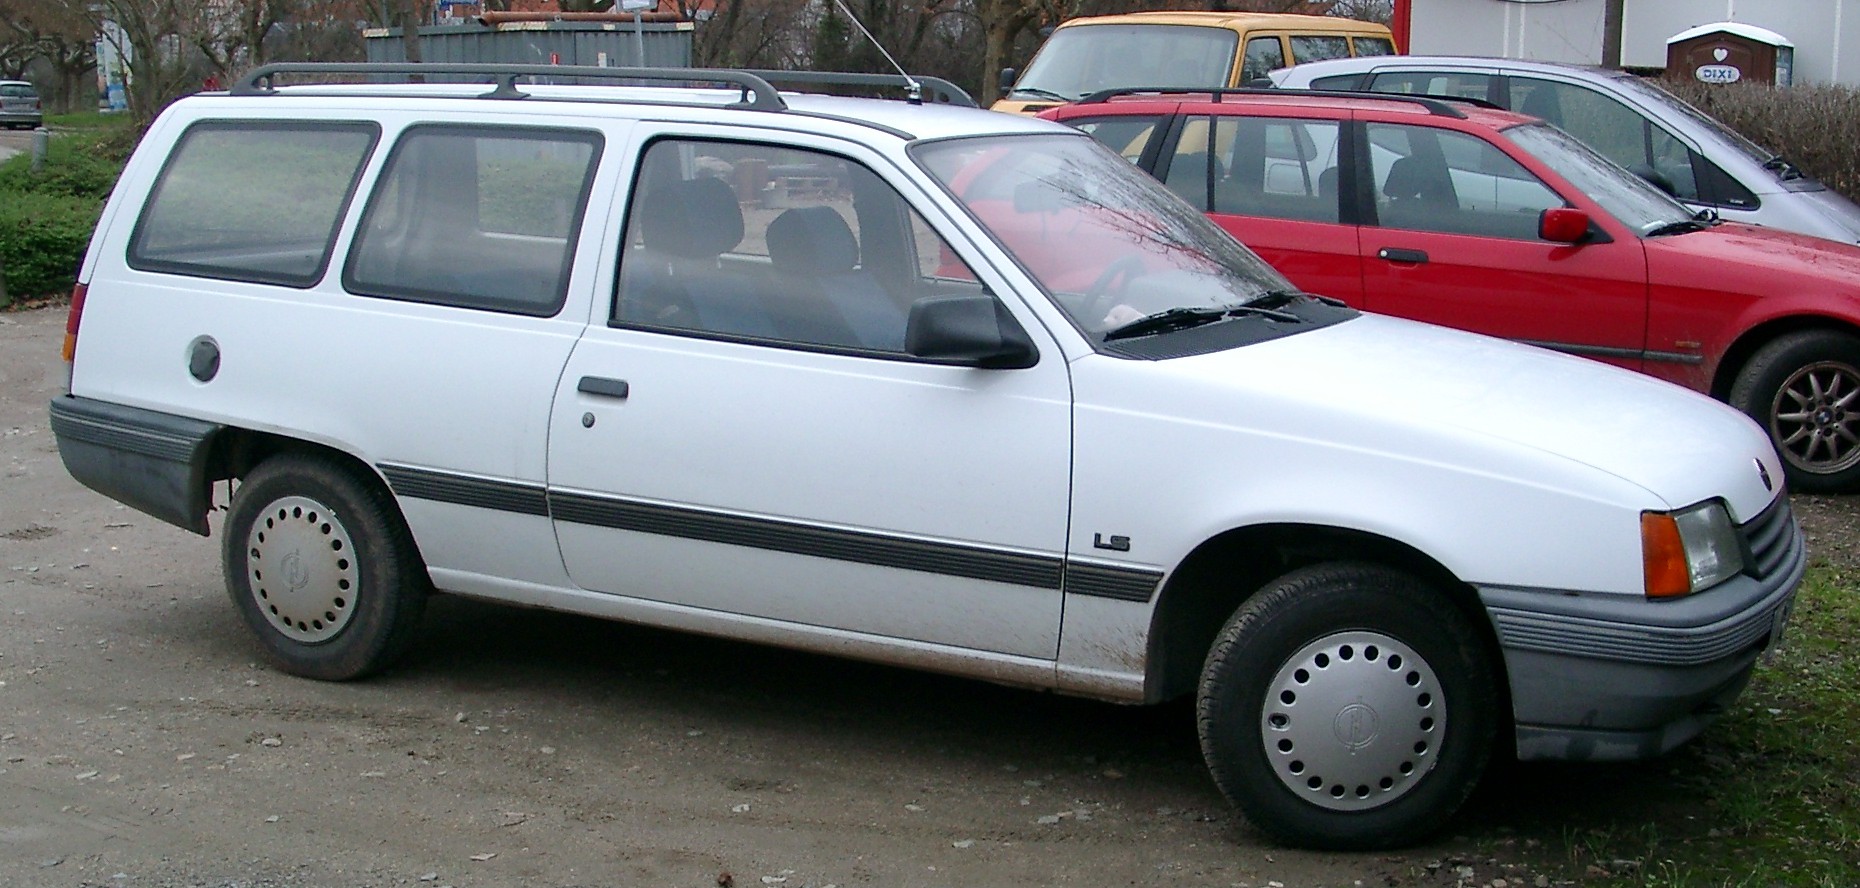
[(905, 382)]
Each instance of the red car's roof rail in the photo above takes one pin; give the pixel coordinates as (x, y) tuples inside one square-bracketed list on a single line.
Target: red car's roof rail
[(1439, 106)]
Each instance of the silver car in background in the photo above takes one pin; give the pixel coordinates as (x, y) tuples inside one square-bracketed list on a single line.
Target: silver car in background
[(19, 105), (1631, 121)]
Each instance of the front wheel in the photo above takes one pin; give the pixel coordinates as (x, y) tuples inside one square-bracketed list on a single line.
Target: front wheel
[(1347, 707), (322, 567), (1804, 389)]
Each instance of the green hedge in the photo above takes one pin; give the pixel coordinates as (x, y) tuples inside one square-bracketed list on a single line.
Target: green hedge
[(46, 217), (1815, 127)]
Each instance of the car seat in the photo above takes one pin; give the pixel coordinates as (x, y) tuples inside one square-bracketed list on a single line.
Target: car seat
[(816, 259)]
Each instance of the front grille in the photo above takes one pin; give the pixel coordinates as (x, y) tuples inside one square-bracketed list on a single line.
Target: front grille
[(1768, 537)]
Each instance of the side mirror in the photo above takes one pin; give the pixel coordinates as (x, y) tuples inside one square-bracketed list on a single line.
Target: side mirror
[(1563, 225), (1007, 80), (967, 330), (1655, 178)]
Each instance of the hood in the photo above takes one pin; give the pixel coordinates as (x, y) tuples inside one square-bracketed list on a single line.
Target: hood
[(1496, 408), (1733, 257)]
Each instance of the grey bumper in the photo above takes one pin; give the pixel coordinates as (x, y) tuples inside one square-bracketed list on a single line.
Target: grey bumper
[(1611, 678), (151, 461)]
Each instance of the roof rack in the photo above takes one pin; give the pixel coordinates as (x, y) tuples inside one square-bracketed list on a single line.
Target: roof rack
[(1436, 105), (941, 90), (758, 95)]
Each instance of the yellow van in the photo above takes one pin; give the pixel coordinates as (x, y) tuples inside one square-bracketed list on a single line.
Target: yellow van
[(1179, 50)]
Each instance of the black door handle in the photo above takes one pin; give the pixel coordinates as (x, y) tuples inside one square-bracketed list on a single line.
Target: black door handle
[(1397, 254), (602, 386)]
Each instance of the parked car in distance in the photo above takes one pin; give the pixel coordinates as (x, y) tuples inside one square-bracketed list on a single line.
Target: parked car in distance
[(19, 105), (1626, 118), (1498, 223), (924, 385), (1179, 49)]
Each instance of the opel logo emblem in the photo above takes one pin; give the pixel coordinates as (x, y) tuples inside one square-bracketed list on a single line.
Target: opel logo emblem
[(1356, 726), (296, 575), (1764, 474)]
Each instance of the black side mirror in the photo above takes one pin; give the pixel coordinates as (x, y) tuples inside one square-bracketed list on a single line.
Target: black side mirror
[(967, 330), (1007, 80), (1655, 178)]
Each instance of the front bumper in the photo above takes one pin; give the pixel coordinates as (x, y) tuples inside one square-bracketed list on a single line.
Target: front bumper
[(1612, 678)]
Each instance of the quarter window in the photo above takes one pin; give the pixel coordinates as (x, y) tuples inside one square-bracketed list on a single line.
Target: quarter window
[(1438, 180), (776, 244), (476, 217), (252, 201)]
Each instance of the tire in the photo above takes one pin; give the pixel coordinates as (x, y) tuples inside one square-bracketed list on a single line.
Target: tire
[(322, 568), (1347, 706), (1804, 389)]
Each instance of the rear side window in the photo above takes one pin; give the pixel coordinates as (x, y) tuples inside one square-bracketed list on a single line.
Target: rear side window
[(1374, 46), (1127, 134), (1453, 84), (1315, 48), (476, 217), (252, 201)]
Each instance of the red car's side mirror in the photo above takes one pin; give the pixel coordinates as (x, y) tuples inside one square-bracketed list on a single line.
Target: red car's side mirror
[(1563, 225)]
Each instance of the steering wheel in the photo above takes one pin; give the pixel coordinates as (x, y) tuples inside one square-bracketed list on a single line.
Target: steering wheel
[(1098, 296)]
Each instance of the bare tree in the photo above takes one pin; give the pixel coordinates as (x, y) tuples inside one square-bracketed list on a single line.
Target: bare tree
[(59, 32)]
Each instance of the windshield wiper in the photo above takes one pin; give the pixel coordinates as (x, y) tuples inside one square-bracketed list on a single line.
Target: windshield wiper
[(1042, 93), (1700, 221), (1781, 166), (1183, 317)]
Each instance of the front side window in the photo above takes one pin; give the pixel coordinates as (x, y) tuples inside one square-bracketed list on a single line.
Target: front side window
[(779, 245), (252, 201), (1263, 56), (1079, 61), (476, 217), (1107, 243), (1438, 180)]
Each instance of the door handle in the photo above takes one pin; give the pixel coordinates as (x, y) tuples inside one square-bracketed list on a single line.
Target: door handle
[(1397, 254), (603, 387)]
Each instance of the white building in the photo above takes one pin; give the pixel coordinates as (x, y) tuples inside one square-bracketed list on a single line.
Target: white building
[(1826, 33)]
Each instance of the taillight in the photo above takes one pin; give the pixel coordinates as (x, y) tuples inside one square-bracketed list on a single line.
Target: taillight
[(72, 319)]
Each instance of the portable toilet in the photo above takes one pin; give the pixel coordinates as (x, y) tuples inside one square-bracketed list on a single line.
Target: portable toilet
[(1731, 52)]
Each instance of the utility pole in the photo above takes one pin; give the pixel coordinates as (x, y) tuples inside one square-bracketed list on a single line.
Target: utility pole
[(1611, 33)]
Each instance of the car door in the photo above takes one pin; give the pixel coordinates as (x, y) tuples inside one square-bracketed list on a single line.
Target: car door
[(1274, 183), (743, 433), (1451, 238)]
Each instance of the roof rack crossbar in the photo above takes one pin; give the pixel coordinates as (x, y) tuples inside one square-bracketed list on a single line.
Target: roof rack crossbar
[(758, 95), (1436, 105), (942, 90)]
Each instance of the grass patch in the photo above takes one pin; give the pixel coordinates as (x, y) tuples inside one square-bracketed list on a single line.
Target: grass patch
[(87, 120), (1767, 796)]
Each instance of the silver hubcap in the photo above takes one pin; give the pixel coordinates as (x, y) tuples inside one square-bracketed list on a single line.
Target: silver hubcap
[(1815, 419), (300, 565), (1353, 720)]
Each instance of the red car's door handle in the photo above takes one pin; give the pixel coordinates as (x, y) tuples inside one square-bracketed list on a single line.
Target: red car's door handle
[(1396, 254)]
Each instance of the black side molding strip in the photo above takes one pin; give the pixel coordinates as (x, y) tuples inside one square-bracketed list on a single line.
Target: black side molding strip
[(884, 550), (464, 490)]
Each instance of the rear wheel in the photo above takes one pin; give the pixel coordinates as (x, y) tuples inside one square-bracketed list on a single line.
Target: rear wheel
[(322, 567), (1804, 389), (1347, 706)]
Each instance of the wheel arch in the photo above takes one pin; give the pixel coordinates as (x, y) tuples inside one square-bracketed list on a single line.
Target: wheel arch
[(1224, 571), (1750, 341), (235, 451)]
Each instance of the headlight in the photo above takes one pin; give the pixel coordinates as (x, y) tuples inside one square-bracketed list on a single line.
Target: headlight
[(1689, 550)]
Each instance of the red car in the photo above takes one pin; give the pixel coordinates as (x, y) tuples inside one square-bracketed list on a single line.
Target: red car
[(1501, 224)]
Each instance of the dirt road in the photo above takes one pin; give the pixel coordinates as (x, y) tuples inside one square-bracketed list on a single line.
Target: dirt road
[(141, 744)]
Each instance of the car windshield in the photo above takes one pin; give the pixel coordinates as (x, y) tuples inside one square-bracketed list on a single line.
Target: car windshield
[(1627, 197), (1108, 243), (1079, 61)]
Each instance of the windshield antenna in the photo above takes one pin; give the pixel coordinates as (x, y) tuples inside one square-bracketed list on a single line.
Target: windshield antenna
[(913, 90)]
